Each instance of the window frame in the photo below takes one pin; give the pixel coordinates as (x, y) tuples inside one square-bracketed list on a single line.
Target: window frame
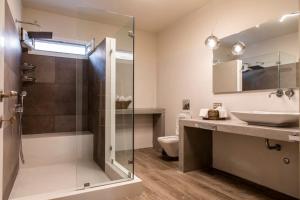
[(56, 44)]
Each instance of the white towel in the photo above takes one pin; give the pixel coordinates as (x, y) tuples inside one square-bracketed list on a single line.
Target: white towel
[(204, 112), (121, 98), (222, 112), (128, 98)]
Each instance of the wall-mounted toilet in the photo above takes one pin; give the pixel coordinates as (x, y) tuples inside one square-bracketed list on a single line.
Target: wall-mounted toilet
[(170, 144)]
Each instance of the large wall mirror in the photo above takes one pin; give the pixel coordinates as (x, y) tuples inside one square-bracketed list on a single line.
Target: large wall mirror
[(260, 58)]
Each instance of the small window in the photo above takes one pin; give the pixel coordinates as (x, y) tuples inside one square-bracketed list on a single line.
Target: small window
[(60, 47)]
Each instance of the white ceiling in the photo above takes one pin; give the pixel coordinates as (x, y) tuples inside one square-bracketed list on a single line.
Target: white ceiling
[(151, 15)]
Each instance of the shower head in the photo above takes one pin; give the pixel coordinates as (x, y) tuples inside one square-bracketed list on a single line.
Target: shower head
[(39, 35), (23, 94)]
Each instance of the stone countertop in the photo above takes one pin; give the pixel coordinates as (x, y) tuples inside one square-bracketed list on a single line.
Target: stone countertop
[(242, 128)]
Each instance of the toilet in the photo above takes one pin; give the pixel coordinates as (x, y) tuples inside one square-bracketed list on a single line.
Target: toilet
[(170, 144)]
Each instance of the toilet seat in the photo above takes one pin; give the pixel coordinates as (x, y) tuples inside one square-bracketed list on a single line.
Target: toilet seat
[(169, 139)]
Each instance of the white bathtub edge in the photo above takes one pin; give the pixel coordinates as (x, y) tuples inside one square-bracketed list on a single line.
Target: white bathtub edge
[(115, 191)]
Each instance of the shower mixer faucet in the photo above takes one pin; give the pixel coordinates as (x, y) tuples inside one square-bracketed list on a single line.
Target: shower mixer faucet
[(10, 94), (20, 107), (289, 93)]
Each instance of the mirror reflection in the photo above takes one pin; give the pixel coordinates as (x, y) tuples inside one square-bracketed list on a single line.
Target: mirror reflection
[(262, 57)]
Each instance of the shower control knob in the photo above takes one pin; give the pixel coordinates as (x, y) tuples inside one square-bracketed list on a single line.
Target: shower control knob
[(286, 161)]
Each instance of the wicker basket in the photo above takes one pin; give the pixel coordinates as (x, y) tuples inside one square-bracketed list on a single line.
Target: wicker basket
[(213, 115), (122, 104)]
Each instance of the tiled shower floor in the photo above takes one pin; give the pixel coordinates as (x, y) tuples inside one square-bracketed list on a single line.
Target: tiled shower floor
[(58, 177)]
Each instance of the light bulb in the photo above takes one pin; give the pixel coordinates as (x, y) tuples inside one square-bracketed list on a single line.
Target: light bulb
[(212, 42), (238, 48)]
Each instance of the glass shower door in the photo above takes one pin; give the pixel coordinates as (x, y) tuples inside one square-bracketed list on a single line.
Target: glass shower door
[(124, 127), (104, 129)]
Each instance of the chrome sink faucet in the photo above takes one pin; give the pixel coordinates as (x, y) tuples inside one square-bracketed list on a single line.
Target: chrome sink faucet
[(279, 93), (289, 93)]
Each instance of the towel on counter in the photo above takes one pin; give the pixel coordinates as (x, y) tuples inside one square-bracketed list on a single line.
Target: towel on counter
[(204, 112)]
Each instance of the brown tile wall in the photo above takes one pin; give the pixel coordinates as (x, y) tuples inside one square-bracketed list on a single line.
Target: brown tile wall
[(96, 101), (11, 137), (50, 105)]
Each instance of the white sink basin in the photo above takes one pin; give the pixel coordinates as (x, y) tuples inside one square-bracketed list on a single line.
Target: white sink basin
[(267, 118)]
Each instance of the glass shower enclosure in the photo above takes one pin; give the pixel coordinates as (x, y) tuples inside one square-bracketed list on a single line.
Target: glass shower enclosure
[(78, 125), (105, 105)]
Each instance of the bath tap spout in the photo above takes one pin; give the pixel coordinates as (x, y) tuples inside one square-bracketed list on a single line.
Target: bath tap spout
[(279, 93)]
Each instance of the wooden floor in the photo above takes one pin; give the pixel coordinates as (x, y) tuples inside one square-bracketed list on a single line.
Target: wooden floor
[(162, 180)]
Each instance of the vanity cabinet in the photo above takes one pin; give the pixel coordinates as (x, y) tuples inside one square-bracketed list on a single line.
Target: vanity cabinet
[(239, 149)]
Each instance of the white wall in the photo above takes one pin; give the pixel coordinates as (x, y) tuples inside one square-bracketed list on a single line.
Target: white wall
[(15, 8), (185, 71), (185, 64), (145, 70), (64, 27), (53, 148), (2, 14)]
